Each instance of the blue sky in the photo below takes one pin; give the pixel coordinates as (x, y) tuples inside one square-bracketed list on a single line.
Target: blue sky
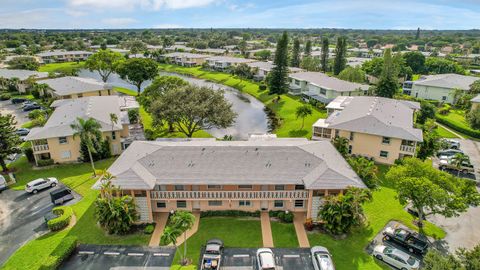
[(359, 14)]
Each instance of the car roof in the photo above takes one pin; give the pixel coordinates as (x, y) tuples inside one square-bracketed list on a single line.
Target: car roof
[(215, 242), (400, 254), (266, 259), (37, 180), (324, 260), (59, 190)]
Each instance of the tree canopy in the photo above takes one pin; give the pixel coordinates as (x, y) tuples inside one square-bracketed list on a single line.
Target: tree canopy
[(340, 55), (158, 87), (23, 62), (9, 140), (352, 74), (104, 62), (278, 79), (138, 70)]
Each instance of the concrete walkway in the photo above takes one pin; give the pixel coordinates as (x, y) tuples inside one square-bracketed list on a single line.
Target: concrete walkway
[(298, 220), (266, 229), (192, 231), (161, 221)]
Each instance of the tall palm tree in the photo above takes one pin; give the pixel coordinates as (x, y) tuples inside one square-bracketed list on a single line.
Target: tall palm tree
[(302, 112), (88, 130), (183, 221), (113, 119), (458, 159)]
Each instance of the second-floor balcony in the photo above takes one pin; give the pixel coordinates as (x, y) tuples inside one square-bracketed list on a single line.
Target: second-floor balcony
[(40, 147), (229, 195), (407, 148)]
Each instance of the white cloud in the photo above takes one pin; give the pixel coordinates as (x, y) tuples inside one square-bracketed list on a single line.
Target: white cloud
[(144, 4), (167, 26), (32, 18), (119, 21)]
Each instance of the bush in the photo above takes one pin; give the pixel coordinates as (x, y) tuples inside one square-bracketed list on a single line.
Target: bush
[(262, 87), (465, 130), (44, 162), (282, 216), (445, 109), (149, 229), (29, 154), (60, 254), (5, 96), (230, 213), (64, 216), (133, 116)]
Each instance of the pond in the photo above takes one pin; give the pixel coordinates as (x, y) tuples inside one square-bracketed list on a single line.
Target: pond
[(252, 115)]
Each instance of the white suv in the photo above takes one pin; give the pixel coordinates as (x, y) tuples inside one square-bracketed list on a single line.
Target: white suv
[(265, 259), (40, 183)]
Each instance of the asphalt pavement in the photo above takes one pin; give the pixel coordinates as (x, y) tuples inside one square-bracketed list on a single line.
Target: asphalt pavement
[(21, 218), (6, 107)]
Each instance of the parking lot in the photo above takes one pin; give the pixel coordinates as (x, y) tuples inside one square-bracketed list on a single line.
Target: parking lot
[(94, 257), (21, 218), (285, 258), (6, 107), (472, 150)]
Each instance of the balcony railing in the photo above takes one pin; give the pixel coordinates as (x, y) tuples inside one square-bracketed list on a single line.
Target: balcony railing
[(229, 195), (407, 148), (40, 147)]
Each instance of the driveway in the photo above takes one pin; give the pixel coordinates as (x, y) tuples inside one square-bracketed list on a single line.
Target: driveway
[(94, 257), (21, 218), (6, 107)]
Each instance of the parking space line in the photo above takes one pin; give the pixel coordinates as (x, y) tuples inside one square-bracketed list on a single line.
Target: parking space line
[(291, 256), (111, 253), (241, 256), (135, 254), (161, 254), (86, 252)]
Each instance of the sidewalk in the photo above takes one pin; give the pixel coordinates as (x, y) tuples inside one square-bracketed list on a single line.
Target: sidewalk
[(266, 229), (160, 220), (298, 220), (190, 232)]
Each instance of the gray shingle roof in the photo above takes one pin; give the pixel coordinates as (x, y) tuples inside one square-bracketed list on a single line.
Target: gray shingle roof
[(267, 66), (229, 59), (316, 164), (447, 81), (375, 115), (323, 80), (57, 53), (66, 113), (22, 74), (74, 85), (186, 54)]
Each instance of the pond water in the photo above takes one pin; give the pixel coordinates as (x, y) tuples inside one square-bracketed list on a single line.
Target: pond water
[(251, 113)]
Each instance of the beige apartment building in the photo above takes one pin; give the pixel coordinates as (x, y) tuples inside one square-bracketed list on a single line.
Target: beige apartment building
[(55, 139), (76, 87), (186, 59), (63, 56), (285, 174), (23, 76), (377, 128)]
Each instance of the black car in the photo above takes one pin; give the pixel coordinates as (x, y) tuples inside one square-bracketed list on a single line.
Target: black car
[(22, 131), (413, 242), (18, 100), (31, 107), (61, 195)]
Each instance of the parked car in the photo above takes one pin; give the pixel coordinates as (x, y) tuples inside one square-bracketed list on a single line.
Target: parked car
[(31, 107), (413, 242), (446, 154), (22, 131), (396, 258), (321, 258), (265, 259), (451, 143), (18, 100), (465, 167), (212, 255), (3, 183), (28, 102), (40, 183), (61, 195)]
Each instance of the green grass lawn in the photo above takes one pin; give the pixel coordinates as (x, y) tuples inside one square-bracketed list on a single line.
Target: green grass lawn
[(79, 178), (285, 109), (125, 91), (235, 232), (61, 67), (445, 133), (284, 234), (457, 118), (349, 253)]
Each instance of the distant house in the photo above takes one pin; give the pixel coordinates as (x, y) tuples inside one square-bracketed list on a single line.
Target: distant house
[(378, 128), (321, 87), (439, 87), (63, 56), (186, 59), (77, 87), (356, 61), (263, 68), (23, 77), (251, 53), (224, 62), (365, 53), (214, 51), (55, 139), (179, 48)]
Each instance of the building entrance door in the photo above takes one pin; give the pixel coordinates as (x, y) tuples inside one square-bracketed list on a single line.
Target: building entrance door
[(264, 204)]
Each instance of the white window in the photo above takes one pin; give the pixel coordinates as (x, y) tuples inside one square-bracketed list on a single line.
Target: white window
[(278, 204), (279, 187), (298, 203), (244, 203), (384, 154), (386, 140), (181, 204), (66, 154), (161, 204), (62, 140), (214, 186), (244, 186), (179, 187), (350, 149), (444, 98), (214, 203)]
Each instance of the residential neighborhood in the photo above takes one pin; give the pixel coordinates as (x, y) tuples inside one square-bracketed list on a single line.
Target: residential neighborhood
[(229, 135)]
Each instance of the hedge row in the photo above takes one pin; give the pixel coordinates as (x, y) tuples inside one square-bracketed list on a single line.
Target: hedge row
[(44, 162), (60, 253), (282, 215), (454, 125), (64, 216), (229, 213)]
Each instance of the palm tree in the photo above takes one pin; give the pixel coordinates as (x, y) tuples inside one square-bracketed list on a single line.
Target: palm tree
[(302, 112), (88, 130), (113, 119), (183, 221), (458, 160), (170, 235), (358, 196)]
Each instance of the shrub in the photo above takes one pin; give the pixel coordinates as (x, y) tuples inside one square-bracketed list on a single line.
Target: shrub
[(149, 229), (64, 216), (5, 96), (29, 154), (229, 213), (282, 215), (44, 162), (458, 127), (133, 116), (60, 254), (262, 87), (445, 109)]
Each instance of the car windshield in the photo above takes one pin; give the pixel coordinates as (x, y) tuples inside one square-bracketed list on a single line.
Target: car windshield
[(324, 261), (388, 250), (411, 260)]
